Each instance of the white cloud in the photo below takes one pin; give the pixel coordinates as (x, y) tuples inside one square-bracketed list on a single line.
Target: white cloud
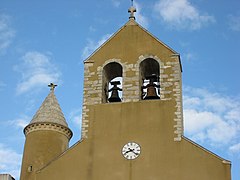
[(222, 132), (181, 14), (116, 3), (198, 121), (10, 161), (92, 29), (233, 114), (140, 18), (235, 148), (92, 46), (20, 122), (6, 33), (211, 117), (234, 22), (189, 56), (36, 70), (76, 116)]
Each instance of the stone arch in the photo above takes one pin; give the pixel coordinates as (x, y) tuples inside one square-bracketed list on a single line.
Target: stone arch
[(149, 67), (111, 71)]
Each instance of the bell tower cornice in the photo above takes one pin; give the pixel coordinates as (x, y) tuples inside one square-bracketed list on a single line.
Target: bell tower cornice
[(48, 126)]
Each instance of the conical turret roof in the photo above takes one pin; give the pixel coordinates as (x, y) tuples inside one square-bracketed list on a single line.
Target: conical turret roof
[(50, 111)]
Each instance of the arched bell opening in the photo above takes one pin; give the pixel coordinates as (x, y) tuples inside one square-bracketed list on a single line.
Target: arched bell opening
[(112, 83), (149, 79)]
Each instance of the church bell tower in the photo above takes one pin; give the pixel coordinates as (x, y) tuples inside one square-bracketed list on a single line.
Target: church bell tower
[(132, 120), (142, 70)]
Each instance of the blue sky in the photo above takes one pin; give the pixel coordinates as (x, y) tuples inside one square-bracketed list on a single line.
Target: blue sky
[(47, 41)]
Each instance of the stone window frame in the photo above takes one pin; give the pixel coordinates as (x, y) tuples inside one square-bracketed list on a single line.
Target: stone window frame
[(118, 61), (161, 69)]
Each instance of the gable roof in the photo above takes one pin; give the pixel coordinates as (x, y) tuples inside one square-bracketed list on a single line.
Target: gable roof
[(131, 22)]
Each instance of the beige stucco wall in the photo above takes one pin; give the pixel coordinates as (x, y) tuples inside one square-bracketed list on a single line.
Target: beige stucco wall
[(41, 146), (148, 123)]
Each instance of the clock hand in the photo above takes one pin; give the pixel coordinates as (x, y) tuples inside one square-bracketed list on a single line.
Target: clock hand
[(129, 150), (135, 153), (126, 152)]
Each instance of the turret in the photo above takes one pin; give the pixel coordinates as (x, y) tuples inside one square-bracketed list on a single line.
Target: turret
[(47, 136)]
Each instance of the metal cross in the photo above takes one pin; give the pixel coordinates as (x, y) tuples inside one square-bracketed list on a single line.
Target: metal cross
[(52, 86), (132, 10)]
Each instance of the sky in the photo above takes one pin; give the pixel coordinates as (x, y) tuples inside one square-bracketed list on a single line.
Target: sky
[(47, 41)]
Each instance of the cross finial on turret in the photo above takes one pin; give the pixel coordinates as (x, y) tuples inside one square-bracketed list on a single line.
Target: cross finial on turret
[(52, 86), (132, 10)]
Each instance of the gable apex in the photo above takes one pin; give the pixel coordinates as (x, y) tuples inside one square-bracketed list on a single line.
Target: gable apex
[(131, 22)]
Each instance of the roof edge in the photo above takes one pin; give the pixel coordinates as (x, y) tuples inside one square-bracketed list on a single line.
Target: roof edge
[(59, 156), (87, 60), (224, 161), (130, 22), (161, 42)]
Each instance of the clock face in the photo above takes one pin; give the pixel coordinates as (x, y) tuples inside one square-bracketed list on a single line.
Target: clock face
[(131, 150)]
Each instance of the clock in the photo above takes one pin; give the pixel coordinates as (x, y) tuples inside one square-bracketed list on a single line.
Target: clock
[(131, 150)]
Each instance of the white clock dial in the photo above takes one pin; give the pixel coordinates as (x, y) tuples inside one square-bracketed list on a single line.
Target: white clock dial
[(131, 150)]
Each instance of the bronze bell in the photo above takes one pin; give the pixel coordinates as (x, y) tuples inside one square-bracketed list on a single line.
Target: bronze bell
[(115, 96), (151, 87)]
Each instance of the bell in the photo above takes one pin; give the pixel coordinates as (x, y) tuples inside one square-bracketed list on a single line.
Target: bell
[(151, 87), (115, 96)]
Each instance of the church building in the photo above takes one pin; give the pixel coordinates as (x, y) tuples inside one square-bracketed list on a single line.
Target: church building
[(132, 120)]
